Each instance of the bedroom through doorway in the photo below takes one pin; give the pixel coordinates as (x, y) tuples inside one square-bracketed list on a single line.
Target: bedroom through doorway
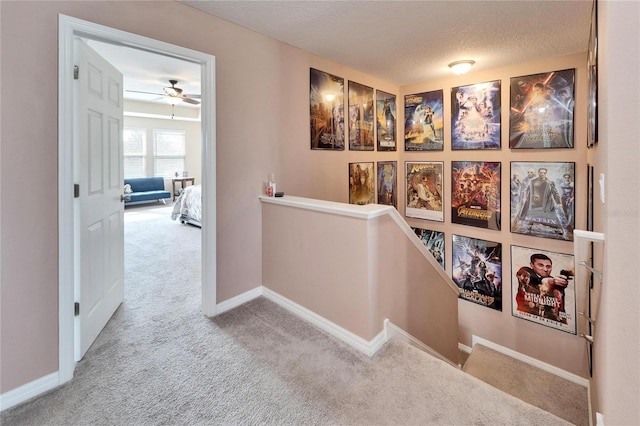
[(162, 137), (70, 30)]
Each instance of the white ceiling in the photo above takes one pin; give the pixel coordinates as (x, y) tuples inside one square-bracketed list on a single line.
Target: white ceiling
[(400, 41), (150, 72)]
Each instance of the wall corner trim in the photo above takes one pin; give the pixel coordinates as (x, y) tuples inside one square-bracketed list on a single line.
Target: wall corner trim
[(238, 300)]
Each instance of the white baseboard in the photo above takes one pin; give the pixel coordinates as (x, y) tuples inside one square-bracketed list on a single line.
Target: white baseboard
[(369, 348), (28, 391), (464, 348), (532, 361), (395, 332), (238, 300), (599, 419)]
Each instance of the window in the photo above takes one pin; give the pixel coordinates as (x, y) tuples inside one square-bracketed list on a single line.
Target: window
[(134, 147), (168, 152)]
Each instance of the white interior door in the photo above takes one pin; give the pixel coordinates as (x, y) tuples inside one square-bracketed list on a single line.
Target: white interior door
[(99, 171)]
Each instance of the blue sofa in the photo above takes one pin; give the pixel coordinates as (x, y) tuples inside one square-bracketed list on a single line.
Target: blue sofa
[(146, 189)]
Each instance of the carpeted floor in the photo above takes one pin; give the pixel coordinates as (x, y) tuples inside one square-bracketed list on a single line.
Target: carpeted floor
[(565, 399), (159, 361)]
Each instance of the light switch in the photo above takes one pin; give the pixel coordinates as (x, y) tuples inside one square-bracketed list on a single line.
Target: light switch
[(601, 182)]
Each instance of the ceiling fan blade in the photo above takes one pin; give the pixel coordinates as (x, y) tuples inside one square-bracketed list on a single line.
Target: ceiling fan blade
[(190, 101), (148, 93), (192, 96)]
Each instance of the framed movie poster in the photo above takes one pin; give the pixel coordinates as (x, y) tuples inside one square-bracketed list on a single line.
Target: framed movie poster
[(362, 183), (542, 110), (542, 199), (360, 117), (475, 116), (542, 288), (424, 190), (477, 270), (592, 70), (326, 102), (424, 121), (475, 193), (433, 241), (386, 119), (388, 183)]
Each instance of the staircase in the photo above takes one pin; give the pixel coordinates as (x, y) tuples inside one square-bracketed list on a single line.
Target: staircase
[(533, 385)]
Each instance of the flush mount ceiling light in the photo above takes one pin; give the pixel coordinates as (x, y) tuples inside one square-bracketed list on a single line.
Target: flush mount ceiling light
[(461, 67)]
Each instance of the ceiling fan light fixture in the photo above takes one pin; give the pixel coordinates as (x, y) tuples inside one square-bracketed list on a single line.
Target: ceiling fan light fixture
[(461, 67), (173, 100)]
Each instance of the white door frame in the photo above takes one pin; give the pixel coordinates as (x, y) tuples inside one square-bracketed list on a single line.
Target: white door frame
[(67, 240)]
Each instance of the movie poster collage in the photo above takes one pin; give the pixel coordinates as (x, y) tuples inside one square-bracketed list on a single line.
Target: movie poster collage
[(541, 200), (367, 117)]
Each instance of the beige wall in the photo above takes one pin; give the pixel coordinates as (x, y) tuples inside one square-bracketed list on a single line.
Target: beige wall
[(410, 290), (262, 127), (358, 271), (307, 260), (616, 392)]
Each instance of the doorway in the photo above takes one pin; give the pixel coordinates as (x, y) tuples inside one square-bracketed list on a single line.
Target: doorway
[(70, 28)]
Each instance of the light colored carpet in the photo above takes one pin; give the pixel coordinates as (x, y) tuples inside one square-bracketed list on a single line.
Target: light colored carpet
[(159, 361), (538, 387)]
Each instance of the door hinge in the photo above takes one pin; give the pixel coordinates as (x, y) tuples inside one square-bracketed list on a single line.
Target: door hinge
[(76, 309), (76, 72), (76, 190)]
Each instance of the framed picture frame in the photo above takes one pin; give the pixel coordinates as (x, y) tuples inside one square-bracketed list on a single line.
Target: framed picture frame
[(425, 190), (424, 121), (434, 242), (326, 111), (475, 193), (542, 288), (361, 117), (543, 199), (362, 183), (592, 70), (590, 200), (387, 186), (477, 270), (542, 110), (475, 116), (386, 114)]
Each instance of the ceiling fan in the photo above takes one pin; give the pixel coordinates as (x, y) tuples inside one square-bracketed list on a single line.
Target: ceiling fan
[(173, 94)]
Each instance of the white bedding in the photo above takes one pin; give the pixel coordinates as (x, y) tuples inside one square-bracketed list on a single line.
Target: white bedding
[(188, 206)]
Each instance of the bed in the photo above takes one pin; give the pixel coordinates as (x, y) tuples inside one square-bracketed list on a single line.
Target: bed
[(188, 206)]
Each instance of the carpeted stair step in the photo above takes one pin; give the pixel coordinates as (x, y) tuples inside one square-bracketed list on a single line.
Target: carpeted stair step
[(533, 385)]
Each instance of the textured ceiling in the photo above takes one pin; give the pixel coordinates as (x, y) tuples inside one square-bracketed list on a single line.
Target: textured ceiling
[(403, 42), (407, 42)]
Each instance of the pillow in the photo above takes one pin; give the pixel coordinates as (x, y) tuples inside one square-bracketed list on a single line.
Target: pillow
[(127, 189)]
